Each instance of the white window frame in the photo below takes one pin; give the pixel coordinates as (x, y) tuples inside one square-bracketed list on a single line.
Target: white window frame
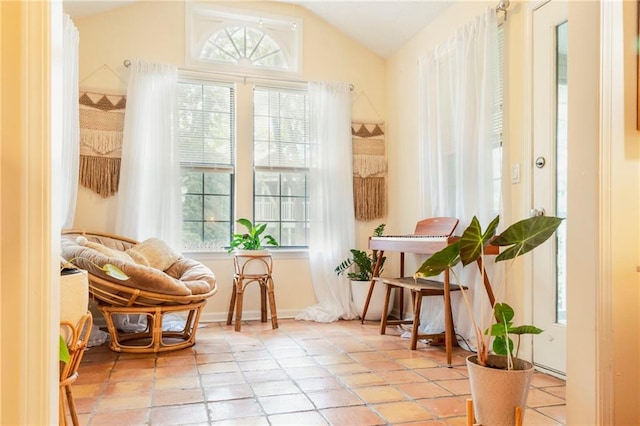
[(304, 169), (199, 78), (202, 20)]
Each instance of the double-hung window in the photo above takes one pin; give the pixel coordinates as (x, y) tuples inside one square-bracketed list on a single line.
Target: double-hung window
[(206, 139), (281, 163)]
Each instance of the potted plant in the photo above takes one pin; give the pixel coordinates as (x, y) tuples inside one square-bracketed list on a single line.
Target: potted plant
[(251, 257), (361, 275), (253, 239), (506, 376)]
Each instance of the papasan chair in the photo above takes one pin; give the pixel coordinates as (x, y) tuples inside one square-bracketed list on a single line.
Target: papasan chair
[(159, 282)]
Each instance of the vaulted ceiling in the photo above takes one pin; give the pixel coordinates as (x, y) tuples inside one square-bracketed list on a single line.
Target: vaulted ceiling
[(381, 26)]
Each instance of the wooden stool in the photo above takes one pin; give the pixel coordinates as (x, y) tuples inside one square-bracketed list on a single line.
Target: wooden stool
[(471, 420), (250, 268)]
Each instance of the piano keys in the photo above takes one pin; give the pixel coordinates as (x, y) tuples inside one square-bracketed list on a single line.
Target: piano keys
[(425, 244)]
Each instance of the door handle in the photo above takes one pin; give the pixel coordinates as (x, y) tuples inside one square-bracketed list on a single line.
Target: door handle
[(536, 212)]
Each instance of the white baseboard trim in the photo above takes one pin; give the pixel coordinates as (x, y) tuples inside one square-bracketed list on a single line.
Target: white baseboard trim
[(253, 315)]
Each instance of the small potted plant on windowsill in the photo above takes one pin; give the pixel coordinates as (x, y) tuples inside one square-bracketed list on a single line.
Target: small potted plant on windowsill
[(360, 276), (499, 381), (252, 245), (252, 240)]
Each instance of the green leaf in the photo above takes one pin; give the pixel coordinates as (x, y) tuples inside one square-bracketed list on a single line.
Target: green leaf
[(500, 345), (64, 351), (379, 230), (490, 232), (245, 222), (499, 329), (259, 229), (525, 329), (439, 262), (114, 271), (503, 312), (525, 235), (473, 240)]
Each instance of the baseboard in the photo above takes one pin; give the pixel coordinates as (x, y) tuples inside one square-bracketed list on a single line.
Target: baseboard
[(246, 315)]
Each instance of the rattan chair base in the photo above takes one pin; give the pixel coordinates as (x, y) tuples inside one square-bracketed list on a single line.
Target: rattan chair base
[(154, 339), (69, 371)]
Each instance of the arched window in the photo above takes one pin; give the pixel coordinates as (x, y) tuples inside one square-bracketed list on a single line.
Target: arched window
[(245, 46), (232, 41)]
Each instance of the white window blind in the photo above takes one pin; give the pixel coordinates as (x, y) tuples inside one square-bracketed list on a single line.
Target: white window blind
[(206, 140), (281, 133), (206, 124)]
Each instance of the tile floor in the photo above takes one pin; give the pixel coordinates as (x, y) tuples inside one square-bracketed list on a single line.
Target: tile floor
[(303, 373)]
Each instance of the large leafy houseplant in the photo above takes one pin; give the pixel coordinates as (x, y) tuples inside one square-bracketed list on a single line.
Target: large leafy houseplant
[(518, 239), (253, 239), (364, 262)]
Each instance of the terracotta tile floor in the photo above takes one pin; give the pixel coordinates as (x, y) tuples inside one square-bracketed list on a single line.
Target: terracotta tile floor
[(303, 373)]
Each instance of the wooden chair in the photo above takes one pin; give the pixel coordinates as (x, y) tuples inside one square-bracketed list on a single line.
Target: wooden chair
[(435, 226), (77, 343)]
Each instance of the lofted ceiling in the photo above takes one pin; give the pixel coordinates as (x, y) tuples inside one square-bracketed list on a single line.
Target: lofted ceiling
[(381, 26)]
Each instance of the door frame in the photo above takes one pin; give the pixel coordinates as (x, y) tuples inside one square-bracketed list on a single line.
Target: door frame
[(601, 380)]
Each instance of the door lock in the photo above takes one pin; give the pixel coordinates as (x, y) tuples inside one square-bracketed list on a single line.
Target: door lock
[(540, 162)]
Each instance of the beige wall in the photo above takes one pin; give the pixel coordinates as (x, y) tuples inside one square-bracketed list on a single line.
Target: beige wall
[(28, 248), (154, 31), (625, 163)]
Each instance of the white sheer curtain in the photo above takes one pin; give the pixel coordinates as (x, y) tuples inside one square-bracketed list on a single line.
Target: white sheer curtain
[(70, 158), (458, 100), (149, 203), (331, 201)]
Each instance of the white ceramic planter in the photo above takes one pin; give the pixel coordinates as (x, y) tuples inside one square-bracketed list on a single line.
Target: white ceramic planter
[(496, 392), (359, 291)]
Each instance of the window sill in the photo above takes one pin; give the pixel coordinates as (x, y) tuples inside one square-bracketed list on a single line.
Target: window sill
[(223, 255)]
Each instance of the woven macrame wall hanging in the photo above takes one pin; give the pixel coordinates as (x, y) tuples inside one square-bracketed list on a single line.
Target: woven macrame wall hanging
[(101, 125), (369, 171)]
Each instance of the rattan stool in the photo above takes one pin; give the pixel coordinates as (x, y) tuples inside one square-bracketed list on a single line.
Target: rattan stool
[(77, 343), (252, 267)]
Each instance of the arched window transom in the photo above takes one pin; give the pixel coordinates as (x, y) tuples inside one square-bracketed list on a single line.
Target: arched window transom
[(246, 46), (231, 40)]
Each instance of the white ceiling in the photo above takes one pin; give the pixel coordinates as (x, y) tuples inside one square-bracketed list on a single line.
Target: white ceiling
[(381, 26)]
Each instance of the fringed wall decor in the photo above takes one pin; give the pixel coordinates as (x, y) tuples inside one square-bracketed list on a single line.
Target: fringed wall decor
[(369, 171), (101, 126)]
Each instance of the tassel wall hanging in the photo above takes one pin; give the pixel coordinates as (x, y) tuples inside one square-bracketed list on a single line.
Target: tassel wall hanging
[(101, 126), (369, 170)]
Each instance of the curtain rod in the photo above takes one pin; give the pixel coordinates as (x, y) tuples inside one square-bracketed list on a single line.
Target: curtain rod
[(502, 6), (127, 64)]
